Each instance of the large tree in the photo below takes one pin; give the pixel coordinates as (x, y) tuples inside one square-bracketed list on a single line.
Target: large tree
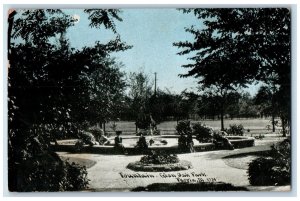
[(234, 47), (48, 92), (140, 91)]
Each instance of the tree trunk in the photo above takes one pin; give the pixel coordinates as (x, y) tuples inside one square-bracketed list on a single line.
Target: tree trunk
[(273, 122), (283, 124), (222, 120), (136, 128)]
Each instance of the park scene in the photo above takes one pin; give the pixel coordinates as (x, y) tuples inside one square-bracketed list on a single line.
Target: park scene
[(149, 100)]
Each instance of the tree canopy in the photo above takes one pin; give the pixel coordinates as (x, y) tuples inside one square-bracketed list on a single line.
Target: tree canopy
[(54, 88), (234, 47)]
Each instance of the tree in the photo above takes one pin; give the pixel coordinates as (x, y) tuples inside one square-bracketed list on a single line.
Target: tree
[(140, 91), (216, 101), (237, 46), (46, 91), (265, 99), (246, 106)]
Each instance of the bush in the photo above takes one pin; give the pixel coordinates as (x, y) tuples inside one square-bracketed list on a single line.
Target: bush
[(97, 133), (236, 130), (48, 172), (87, 138), (79, 145), (184, 128), (75, 178), (273, 170), (159, 158), (33, 166), (260, 171), (181, 165), (221, 142), (202, 132)]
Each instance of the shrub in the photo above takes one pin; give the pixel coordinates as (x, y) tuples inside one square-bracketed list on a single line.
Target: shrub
[(75, 178), (159, 158), (87, 138), (260, 171), (273, 170), (47, 172), (235, 130), (184, 128), (143, 121), (202, 132), (181, 165), (96, 132), (221, 142), (79, 145)]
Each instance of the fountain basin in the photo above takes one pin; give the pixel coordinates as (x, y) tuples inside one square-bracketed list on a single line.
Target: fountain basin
[(129, 143)]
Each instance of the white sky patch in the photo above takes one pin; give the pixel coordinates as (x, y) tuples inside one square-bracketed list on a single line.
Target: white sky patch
[(76, 17)]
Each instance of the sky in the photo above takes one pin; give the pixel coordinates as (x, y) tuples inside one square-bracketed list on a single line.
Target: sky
[(152, 33)]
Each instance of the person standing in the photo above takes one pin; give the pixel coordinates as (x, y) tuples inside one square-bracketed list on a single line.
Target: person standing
[(190, 143)]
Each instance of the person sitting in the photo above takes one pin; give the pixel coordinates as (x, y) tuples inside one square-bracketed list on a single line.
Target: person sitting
[(142, 143), (151, 142), (118, 142)]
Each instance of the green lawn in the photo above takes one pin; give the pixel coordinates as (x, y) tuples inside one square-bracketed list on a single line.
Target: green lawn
[(256, 126)]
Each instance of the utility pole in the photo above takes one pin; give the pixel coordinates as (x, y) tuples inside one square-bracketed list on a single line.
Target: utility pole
[(155, 80)]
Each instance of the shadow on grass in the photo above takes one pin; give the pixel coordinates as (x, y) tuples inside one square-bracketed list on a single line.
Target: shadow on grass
[(218, 186), (80, 161)]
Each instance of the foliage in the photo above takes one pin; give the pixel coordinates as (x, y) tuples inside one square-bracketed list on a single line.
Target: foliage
[(236, 130), (104, 17), (75, 178), (87, 138), (221, 142), (184, 127), (39, 169), (79, 145), (273, 170), (143, 121), (202, 132), (52, 91), (238, 46), (97, 132), (181, 165), (159, 158)]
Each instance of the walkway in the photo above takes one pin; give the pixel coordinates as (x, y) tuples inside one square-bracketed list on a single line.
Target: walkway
[(110, 172)]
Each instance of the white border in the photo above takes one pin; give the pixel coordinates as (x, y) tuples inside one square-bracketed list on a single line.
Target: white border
[(153, 3)]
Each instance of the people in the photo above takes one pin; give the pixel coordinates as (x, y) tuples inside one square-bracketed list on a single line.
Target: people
[(118, 142), (142, 143), (182, 143), (190, 143)]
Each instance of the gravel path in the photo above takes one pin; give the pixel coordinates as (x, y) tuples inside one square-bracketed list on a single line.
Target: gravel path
[(110, 172)]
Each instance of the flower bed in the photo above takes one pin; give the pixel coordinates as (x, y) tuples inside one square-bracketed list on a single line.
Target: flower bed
[(159, 161)]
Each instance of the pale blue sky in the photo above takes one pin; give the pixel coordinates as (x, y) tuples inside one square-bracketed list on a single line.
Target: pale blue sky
[(152, 33)]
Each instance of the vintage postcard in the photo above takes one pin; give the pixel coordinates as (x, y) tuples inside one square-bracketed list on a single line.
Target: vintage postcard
[(149, 99)]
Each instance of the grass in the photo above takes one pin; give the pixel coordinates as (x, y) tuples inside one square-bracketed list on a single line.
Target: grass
[(256, 126), (80, 161)]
